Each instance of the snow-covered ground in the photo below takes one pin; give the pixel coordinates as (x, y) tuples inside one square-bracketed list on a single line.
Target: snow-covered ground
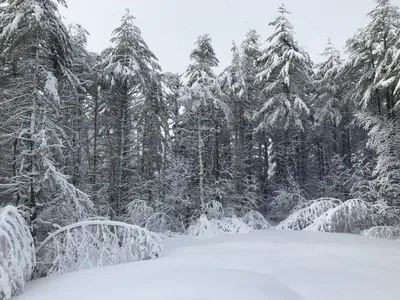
[(262, 265)]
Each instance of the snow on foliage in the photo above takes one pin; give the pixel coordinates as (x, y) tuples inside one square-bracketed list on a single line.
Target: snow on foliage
[(139, 212), (231, 225), (92, 244), (383, 232), (307, 213), (353, 216), (256, 220), (205, 228), (17, 254), (202, 228), (284, 204)]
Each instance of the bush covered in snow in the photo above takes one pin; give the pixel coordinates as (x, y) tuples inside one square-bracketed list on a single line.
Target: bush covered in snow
[(383, 232), (304, 215), (209, 228), (94, 244), (284, 203), (231, 225), (202, 228), (256, 220), (353, 216), (17, 254), (139, 212)]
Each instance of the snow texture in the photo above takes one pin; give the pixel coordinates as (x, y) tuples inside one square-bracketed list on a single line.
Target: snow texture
[(262, 265), (256, 220), (17, 254), (307, 213), (92, 244), (353, 216), (383, 232)]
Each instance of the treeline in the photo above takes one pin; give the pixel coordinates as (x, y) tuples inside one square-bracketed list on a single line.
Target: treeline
[(85, 134)]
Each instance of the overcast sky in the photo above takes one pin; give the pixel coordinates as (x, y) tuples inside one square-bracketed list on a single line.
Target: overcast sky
[(170, 27)]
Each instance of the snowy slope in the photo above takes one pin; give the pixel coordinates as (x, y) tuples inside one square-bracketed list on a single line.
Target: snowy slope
[(263, 265)]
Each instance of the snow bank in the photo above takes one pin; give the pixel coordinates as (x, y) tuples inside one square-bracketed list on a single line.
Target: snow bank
[(383, 232), (94, 244), (256, 220), (353, 216), (17, 254), (261, 265), (307, 213)]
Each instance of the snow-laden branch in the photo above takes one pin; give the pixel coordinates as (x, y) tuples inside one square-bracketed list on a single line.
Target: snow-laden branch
[(17, 254), (306, 214), (353, 216), (91, 244)]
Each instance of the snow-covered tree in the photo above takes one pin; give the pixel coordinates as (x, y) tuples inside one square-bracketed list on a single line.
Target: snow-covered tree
[(353, 216), (285, 70), (205, 115), (36, 45), (94, 244), (134, 129), (305, 215), (17, 253)]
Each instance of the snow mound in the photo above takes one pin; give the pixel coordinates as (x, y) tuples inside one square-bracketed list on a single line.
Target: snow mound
[(203, 228), (17, 254), (307, 213), (94, 244), (383, 232), (231, 225), (353, 216), (256, 220)]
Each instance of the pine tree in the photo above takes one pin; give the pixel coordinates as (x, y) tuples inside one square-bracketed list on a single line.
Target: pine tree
[(285, 71), (37, 48)]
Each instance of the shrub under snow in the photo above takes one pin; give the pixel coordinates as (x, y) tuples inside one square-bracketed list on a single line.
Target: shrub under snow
[(205, 228), (383, 232), (231, 225), (256, 220), (307, 213), (93, 244), (17, 254), (353, 216)]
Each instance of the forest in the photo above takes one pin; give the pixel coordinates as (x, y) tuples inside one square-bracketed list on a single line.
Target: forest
[(110, 143)]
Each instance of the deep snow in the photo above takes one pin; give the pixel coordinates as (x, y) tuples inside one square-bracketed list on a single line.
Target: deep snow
[(261, 265)]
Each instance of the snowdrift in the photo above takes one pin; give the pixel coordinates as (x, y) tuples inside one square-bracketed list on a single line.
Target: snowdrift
[(17, 254), (353, 216), (94, 244), (307, 213), (261, 265), (383, 232)]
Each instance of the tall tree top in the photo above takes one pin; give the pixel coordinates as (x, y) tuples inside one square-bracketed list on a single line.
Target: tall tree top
[(203, 60), (130, 61)]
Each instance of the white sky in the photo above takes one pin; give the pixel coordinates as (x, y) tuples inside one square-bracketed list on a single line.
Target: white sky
[(170, 27)]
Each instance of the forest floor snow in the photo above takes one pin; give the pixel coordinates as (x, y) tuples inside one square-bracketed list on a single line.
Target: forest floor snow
[(262, 265)]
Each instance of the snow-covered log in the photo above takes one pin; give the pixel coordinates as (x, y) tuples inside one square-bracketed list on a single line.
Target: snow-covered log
[(17, 254), (383, 232), (307, 213), (93, 244), (353, 216), (256, 220)]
